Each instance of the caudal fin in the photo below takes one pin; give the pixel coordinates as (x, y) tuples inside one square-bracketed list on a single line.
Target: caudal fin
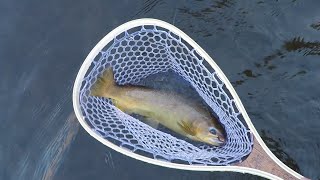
[(104, 85)]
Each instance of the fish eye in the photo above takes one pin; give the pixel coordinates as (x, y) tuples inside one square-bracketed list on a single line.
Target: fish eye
[(212, 131)]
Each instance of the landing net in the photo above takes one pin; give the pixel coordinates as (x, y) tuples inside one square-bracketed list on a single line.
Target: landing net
[(138, 52)]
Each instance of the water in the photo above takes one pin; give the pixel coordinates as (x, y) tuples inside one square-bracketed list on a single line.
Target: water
[(269, 50)]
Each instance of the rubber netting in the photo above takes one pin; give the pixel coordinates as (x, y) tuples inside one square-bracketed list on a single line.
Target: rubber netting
[(138, 53)]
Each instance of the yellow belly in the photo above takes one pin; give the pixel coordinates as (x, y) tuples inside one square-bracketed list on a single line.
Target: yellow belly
[(165, 108)]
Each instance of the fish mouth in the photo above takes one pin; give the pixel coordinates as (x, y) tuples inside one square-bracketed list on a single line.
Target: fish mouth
[(217, 141), (221, 139), (221, 142)]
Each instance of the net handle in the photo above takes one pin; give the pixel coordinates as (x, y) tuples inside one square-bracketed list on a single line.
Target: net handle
[(148, 21)]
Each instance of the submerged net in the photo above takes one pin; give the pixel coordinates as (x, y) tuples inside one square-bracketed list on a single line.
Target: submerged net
[(134, 55)]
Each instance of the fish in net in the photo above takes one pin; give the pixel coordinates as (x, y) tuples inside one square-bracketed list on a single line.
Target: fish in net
[(135, 51)]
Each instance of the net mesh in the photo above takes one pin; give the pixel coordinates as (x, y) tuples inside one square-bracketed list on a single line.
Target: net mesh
[(138, 53)]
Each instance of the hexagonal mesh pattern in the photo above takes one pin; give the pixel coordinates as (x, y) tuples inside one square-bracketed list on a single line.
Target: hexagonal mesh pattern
[(138, 53)]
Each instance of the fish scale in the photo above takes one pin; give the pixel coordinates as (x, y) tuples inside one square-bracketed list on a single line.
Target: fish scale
[(169, 109)]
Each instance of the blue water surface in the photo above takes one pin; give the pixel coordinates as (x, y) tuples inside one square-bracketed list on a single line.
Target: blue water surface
[(268, 49)]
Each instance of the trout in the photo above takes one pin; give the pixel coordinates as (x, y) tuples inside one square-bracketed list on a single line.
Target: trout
[(184, 117)]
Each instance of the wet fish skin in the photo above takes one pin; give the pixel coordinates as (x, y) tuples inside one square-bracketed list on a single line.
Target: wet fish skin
[(169, 109)]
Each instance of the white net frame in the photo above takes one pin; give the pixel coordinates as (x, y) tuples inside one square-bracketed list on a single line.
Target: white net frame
[(179, 53)]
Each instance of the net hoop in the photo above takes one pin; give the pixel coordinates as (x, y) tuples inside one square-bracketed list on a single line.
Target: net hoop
[(146, 21)]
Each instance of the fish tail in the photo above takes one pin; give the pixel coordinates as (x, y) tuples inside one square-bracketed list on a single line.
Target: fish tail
[(104, 85)]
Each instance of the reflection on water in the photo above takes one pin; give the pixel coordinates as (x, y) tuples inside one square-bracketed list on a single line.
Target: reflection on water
[(57, 149), (268, 49), (148, 5), (302, 72), (276, 148), (249, 73), (109, 160), (221, 14), (48, 160), (300, 45), (315, 26), (246, 74), (223, 3), (297, 44)]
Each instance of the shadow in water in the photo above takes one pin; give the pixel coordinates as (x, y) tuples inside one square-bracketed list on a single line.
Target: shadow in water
[(221, 14), (246, 74), (275, 147), (148, 5), (223, 4), (300, 45), (297, 45), (315, 26)]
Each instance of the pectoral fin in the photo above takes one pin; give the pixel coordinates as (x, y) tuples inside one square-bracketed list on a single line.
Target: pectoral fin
[(187, 127)]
